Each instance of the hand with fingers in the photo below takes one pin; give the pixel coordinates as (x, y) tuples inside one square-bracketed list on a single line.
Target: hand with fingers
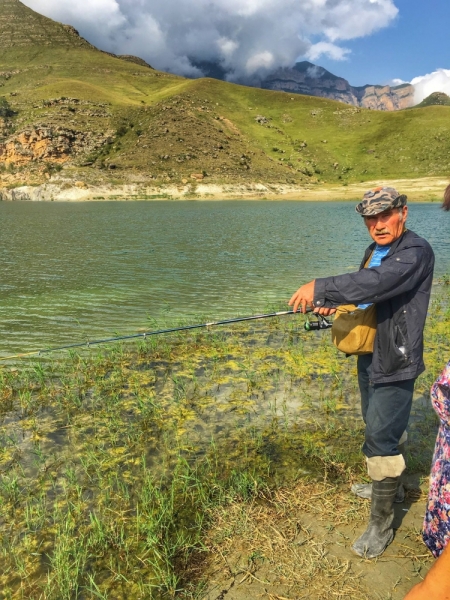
[(304, 296)]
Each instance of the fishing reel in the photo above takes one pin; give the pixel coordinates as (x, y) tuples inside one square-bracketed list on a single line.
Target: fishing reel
[(321, 323)]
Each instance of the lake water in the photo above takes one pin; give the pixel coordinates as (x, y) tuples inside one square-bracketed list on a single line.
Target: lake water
[(72, 272)]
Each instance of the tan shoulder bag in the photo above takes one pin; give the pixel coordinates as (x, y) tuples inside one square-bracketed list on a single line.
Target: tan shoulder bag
[(354, 329)]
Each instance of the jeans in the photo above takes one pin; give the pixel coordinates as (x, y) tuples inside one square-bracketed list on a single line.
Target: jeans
[(385, 410)]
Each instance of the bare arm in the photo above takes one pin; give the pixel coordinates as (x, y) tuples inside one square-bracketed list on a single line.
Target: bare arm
[(436, 585)]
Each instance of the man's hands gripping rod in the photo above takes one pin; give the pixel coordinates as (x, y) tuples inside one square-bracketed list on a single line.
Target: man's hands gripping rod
[(304, 296)]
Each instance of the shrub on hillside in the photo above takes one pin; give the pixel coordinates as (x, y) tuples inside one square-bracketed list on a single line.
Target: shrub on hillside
[(5, 109)]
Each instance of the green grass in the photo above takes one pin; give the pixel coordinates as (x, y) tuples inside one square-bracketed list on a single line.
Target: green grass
[(114, 463), (435, 99)]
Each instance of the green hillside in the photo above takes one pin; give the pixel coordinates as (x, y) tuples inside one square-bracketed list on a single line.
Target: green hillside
[(435, 99), (67, 105)]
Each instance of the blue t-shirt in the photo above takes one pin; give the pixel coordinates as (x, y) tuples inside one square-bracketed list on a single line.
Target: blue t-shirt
[(378, 254)]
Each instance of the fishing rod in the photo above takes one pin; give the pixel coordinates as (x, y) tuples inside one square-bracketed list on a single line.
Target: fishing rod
[(321, 323)]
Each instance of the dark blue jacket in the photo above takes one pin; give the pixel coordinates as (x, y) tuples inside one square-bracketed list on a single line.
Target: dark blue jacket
[(400, 287)]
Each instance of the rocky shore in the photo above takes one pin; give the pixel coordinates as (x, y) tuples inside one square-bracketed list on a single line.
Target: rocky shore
[(421, 189)]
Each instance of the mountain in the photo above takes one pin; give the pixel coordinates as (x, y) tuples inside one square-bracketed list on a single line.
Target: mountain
[(133, 59), (312, 80), (435, 99), (21, 27), (76, 116)]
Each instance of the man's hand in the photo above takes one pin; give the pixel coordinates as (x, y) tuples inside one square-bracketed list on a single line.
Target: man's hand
[(326, 312), (304, 296)]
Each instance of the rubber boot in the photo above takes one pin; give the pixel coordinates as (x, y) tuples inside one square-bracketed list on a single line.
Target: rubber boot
[(364, 490), (379, 534)]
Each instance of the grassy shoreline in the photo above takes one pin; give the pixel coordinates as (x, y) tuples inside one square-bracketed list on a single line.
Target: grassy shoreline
[(202, 462)]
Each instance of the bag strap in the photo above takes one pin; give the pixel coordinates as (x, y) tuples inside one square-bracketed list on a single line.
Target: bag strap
[(349, 308), (367, 263)]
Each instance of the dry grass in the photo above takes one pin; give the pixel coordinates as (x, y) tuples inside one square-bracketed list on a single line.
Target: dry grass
[(277, 543), (295, 542)]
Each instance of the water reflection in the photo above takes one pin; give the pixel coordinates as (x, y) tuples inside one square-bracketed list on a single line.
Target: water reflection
[(70, 272)]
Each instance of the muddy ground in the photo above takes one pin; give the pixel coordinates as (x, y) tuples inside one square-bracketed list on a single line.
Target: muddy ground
[(298, 545)]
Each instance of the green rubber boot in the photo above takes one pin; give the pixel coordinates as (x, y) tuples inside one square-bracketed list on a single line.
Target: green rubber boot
[(379, 534), (364, 490)]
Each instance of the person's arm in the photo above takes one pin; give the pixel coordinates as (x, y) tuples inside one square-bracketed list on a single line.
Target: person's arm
[(436, 585), (396, 275)]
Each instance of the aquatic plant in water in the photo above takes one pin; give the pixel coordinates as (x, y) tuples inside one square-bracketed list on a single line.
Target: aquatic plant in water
[(116, 463)]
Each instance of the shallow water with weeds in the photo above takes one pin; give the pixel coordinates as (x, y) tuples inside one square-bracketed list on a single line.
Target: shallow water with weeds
[(119, 465), (73, 272)]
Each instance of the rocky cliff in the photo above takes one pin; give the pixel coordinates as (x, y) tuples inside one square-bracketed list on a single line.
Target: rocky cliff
[(384, 97), (312, 80), (44, 143)]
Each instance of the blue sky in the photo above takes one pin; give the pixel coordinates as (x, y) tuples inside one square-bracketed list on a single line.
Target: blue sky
[(417, 43)]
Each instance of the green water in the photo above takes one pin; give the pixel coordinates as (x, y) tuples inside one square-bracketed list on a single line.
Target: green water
[(73, 272)]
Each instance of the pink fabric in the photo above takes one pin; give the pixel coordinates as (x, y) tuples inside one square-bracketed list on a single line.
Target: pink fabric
[(436, 527)]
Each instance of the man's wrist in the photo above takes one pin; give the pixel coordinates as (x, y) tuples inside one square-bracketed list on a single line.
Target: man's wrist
[(319, 293)]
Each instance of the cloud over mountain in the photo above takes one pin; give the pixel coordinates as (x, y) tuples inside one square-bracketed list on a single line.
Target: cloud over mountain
[(437, 81), (246, 37)]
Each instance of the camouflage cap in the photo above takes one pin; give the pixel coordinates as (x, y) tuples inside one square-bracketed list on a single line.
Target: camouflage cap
[(378, 200)]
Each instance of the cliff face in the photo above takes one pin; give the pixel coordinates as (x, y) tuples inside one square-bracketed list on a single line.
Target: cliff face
[(385, 97), (49, 144), (309, 79)]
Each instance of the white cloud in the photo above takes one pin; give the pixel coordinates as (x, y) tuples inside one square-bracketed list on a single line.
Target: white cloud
[(245, 36), (104, 14), (396, 82), (327, 49), (263, 60), (351, 19), (227, 47), (438, 81)]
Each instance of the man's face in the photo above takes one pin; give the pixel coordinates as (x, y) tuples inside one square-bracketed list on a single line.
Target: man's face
[(388, 226)]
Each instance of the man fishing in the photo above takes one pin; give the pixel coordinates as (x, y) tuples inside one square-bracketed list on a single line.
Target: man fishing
[(395, 276)]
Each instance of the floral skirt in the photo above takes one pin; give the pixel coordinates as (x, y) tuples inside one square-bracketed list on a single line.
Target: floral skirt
[(436, 526)]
